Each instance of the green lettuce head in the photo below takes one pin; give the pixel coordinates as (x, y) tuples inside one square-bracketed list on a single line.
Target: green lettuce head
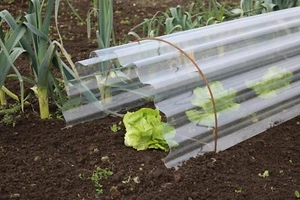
[(224, 101), (272, 81), (144, 130)]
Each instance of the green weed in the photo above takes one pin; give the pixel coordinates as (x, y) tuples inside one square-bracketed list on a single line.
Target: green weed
[(265, 174), (239, 190), (97, 176), (116, 127), (10, 114)]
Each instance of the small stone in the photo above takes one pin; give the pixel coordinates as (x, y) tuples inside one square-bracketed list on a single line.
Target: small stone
[(16, 195), (117, 177), (105, 159), (114, 193), (177, 177), (136, 179), (157, 173), (121, 186), (165, 185), (36, 158)]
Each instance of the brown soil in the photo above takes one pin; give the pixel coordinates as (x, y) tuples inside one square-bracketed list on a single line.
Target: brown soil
[(40, 159)]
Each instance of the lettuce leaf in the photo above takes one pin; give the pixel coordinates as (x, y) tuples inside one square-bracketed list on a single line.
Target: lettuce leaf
[(224, 100), (272, 81), (145, 130)]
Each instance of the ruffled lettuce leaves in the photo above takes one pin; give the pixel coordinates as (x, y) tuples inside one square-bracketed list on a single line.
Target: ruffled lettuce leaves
[(272, 81), (224, 101), (145, 130)]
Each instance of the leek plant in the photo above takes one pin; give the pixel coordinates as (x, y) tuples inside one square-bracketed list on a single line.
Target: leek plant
[(3, 101), (41, 52), (177, 19), (213, 13), (284, 4), (254, 7), (10, 50), (203, 13), (6, 92), (167, 22), (103, 10)]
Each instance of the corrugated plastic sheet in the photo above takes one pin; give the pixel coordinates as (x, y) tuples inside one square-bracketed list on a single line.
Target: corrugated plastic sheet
[(252, 65)]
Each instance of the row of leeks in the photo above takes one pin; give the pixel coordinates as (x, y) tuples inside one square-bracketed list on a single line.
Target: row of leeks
[(30, 38)]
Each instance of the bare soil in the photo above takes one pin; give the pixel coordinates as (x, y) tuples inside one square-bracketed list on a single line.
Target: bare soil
[(41, 159)]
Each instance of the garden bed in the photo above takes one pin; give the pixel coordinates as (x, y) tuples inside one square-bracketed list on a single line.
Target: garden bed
[(41, 159)]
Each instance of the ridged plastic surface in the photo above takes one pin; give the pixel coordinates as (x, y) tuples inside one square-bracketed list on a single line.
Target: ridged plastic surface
[(252, 65)]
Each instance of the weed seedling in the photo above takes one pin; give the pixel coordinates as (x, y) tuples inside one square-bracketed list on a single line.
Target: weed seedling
[(297, 194), (116, 127), (10, 114), (240, 190), (264, 175), (81, 176), (97, 176), (126, 180)]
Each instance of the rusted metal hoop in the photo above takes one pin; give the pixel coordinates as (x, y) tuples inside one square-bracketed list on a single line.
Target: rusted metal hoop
[(201, 74)]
